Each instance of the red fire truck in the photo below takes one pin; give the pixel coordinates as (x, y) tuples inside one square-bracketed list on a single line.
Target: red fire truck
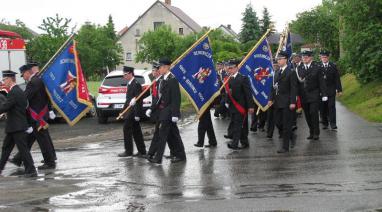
[(12, 54)]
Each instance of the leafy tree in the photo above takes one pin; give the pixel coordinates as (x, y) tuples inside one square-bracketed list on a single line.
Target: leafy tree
[(163, 42), (250, 29), (266, 22), (98, 49), (319, 25), (43, 47), (361, 37)]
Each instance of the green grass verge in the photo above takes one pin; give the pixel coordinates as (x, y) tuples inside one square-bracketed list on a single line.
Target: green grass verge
[(365, 100), (94, 85)]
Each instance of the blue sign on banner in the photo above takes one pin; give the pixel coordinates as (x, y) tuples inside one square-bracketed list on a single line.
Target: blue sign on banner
[(196, 74), (257, 66), (66, 86)]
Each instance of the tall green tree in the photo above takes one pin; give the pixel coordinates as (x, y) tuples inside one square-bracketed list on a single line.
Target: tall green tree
[(250, 29), (319, 25), (362, 33), (98, 49), (55, 31), (163, 42), (266, 22)]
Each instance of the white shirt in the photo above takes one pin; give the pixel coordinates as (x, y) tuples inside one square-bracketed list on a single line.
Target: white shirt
[(166, 75), (32, 75), (283, 68), (234, 76), (131, 80), (326, 65), (307, 66)]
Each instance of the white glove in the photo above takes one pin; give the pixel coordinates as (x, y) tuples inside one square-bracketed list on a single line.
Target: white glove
[(29, 130), (52, 115), (132, 102), (174, 119), (148, 113), (137, 118), (324, 98), (226, 105)]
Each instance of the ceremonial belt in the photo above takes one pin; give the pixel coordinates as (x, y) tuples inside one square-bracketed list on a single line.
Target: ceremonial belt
[(154, 89), (239, 108), (39, 117)]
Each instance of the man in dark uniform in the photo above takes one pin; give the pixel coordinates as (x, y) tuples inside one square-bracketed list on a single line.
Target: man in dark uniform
[(283, 99), (131, 127), (205, 126), (169, 114), (312, 90), (37, 116), (296, 62), (220, 109), (240, 103), (16, 126), (334, 87)]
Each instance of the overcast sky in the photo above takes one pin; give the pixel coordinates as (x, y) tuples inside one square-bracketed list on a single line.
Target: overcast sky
[(210, 13)]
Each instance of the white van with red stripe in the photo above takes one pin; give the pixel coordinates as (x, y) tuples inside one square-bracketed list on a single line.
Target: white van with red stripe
[(112, 94)]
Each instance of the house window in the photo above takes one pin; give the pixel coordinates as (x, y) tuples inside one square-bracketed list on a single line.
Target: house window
[(180, 31), (137, 33), (157, 25), (129, 56)]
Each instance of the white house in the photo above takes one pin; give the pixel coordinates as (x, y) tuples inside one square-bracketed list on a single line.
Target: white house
[(156, 15), (229, 31)]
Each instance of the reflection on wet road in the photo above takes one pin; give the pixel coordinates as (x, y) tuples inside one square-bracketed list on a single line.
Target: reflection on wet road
[(342, 171)]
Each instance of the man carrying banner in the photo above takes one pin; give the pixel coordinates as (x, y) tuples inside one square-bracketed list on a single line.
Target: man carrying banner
[(153, 113), (169, 113), (311, 88), (333, 84), (131, 127), (283, 99), (38, 114), (16, 125), (239, 102)]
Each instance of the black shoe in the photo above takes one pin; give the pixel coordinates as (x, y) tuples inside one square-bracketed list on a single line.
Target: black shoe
[(198, 145), (30, 175), (15, 162), (269, 136), (47, 166), (139, 155), (228, 136), (155, 161), (245, 146), (334, 128), (232, 147), (261, 129), (124, 154), (176, 160), (310, 137), (282, 151), (325, 127), (210, 145), (316, 137), (169, 156), (294, 128), (149, 156), (253, 129)]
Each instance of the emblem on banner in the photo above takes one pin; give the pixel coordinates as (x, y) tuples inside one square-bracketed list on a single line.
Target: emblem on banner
[(202, 74)]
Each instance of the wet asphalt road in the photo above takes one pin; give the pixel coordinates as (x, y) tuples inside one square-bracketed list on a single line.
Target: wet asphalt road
[(341, 172)]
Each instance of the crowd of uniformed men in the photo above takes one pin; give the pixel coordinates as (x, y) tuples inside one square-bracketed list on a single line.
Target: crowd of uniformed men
[(298, 85)]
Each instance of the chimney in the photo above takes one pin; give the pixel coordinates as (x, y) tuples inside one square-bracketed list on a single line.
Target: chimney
[(229, 26), (168, 2)]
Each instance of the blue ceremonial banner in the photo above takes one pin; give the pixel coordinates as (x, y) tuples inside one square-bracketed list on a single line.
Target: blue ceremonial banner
[(196, 74), (288, 45), (66, 85), (257, 66)]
